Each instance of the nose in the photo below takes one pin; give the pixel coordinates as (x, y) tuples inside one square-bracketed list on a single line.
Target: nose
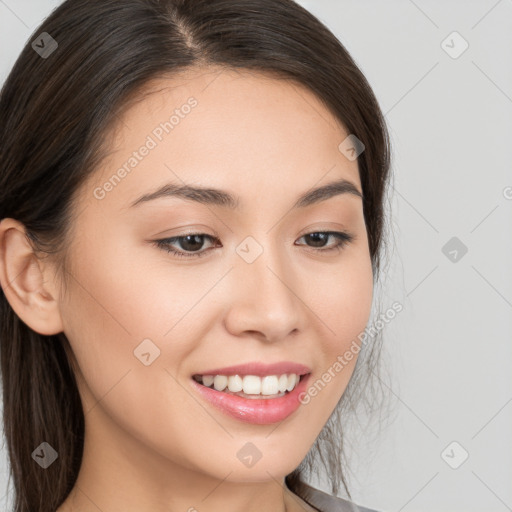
[(265, 298)]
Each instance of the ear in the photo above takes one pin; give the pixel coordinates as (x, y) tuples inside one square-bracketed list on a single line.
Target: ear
[(22, 277)]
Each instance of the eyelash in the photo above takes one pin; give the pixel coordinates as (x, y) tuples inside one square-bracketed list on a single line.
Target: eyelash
[(165, 243)]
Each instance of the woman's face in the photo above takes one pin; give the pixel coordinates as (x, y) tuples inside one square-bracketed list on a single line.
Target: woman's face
[(256, 285)]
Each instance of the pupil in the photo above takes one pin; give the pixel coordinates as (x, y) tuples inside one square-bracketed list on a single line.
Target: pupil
[(320, 237), (189, 246)]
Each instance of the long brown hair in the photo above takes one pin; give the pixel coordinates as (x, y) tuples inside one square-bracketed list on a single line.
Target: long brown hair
[(55, 113)]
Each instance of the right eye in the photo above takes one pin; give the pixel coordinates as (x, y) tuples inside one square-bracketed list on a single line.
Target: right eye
[(190, 245)]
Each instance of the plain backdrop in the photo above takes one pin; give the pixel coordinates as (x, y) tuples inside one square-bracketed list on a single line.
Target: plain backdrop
[(441, 71)]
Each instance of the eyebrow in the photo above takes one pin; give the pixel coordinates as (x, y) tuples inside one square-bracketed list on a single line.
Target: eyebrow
[(218, 197)]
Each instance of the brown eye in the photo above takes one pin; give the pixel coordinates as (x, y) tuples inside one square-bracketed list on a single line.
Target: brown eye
[(191, 242), (319, 239), (188, 245), (191, 245)]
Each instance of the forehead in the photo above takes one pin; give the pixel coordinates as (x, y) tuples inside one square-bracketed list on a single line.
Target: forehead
[(223, 127)]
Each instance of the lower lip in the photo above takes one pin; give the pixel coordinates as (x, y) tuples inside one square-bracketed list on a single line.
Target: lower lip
[(253, 410)]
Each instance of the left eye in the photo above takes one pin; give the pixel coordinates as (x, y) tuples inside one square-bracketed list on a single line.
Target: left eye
[(192, 243)]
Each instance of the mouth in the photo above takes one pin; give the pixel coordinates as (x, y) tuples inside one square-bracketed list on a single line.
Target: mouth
[(252, 386), (255, 399)]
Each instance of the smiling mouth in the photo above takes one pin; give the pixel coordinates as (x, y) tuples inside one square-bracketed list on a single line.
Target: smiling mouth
[(252, 386)]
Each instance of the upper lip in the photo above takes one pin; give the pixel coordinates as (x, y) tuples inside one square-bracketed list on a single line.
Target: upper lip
[(260, 369)]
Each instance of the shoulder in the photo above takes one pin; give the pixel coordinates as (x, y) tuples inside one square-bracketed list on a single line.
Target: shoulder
[(327, 503)]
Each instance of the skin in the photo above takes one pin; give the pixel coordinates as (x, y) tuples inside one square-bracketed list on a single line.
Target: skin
[(151, 442)]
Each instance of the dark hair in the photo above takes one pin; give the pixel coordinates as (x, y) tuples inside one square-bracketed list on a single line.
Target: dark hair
[(56, 113)]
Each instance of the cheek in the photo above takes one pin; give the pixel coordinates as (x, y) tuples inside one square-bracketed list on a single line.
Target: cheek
[(342, 299), (112, 308), (135, 291), (116, 301)]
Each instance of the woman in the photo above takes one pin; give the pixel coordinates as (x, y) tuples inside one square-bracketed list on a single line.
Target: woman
[(192, 216)]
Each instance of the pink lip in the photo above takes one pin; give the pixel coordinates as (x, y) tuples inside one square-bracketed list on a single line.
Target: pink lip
[(258, 411), (260, 369)]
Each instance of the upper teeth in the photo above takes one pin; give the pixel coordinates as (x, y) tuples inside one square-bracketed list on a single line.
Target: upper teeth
[(252, 384)]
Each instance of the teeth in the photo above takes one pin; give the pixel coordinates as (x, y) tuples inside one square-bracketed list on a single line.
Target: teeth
[(251, 384), (269, 385), (208, 380), (220, 382), (283, 383), (235, 383), (292, 380)]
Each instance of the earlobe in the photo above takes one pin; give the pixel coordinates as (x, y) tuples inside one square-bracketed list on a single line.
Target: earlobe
[(23, 283)]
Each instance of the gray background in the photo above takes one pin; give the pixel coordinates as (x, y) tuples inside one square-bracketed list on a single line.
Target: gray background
[(449, 352)]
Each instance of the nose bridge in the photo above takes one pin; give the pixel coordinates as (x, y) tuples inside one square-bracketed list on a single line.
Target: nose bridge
[(259, 264), (264, 300)]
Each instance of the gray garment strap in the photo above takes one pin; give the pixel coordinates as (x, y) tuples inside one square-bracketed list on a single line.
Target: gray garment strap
[(327, 503)]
